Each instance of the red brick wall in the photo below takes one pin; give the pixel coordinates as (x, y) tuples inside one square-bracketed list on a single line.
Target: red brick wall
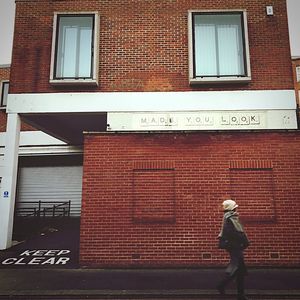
[(175, 219), (3, 120), (144, 44), (5, 75)]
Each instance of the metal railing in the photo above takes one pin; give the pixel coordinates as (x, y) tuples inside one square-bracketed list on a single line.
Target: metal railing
[(43, 209)]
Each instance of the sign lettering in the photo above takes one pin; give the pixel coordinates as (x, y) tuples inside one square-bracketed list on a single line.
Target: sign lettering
[(202, 120), (198, 120), (39, 257)]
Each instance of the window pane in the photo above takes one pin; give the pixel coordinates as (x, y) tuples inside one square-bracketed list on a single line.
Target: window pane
[(74, 48), (85, 52), (4, 93), (218, 45), (230, 46), (205, 57), (298, 73), (68, 54)]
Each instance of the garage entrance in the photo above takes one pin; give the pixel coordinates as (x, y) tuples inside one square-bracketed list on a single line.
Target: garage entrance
[(47, 213)]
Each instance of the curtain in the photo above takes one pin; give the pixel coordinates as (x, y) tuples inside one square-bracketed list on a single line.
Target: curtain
[(74, 49), (218, 45)]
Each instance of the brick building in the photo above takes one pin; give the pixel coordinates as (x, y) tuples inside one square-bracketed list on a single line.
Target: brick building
[(43, 164), (176, 105)]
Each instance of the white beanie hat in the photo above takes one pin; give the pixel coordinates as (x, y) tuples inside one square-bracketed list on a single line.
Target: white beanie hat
[(229, 205)]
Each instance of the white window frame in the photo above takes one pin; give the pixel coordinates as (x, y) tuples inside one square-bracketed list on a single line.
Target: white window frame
[(210, 79), (2, 94), (95, 61)]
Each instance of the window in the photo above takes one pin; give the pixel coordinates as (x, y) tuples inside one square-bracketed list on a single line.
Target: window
[(4, 93), (75, 49), (218, 45), (298, 73)]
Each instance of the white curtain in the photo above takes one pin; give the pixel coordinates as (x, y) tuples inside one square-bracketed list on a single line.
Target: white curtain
[(218, 45), (74, 49), (205, 50)]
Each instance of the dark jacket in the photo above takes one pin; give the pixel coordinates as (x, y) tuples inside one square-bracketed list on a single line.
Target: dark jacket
[(232, 236)]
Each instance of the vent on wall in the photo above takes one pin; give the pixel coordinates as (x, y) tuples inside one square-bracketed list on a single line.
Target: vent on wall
[(274, 255)]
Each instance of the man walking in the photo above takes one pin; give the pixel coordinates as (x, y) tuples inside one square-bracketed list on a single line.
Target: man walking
[(234, 240)]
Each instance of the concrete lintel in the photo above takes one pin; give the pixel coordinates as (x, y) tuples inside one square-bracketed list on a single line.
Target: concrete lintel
[(151, 101)]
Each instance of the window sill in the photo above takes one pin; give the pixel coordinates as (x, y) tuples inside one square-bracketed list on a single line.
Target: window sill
[(91, 82), (217, 80)]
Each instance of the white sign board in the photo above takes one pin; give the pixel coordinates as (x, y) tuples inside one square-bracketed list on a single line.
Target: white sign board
[(202, 120)]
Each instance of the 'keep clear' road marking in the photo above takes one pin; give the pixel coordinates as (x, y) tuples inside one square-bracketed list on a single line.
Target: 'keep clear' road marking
[(39, 257)]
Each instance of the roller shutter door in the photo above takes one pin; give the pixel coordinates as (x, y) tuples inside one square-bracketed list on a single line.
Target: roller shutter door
[(55, 183)]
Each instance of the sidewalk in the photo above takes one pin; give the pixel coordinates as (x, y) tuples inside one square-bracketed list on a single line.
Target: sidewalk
[(134, 283), (29, 273)]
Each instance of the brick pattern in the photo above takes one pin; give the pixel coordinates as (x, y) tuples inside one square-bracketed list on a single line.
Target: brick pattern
[(249, 184), (260, 169), (144, 45), (153, 196), (254, 177), (153, 191), (5, 75), (251, 164), (3, 120)]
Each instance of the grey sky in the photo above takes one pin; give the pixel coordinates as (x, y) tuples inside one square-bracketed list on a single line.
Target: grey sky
[(7, 8)]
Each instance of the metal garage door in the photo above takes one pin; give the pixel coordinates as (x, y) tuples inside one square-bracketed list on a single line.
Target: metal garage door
[(55, 183)]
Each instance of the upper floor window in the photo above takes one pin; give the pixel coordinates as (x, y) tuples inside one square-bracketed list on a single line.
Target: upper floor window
[(298, 73), (218, 46), (4, 93), (75, 48)]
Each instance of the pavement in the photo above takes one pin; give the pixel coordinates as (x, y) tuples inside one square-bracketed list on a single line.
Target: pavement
[(45, 266), (142, 283)]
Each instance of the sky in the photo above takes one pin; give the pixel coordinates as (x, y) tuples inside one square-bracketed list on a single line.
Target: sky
[(7, 12)]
